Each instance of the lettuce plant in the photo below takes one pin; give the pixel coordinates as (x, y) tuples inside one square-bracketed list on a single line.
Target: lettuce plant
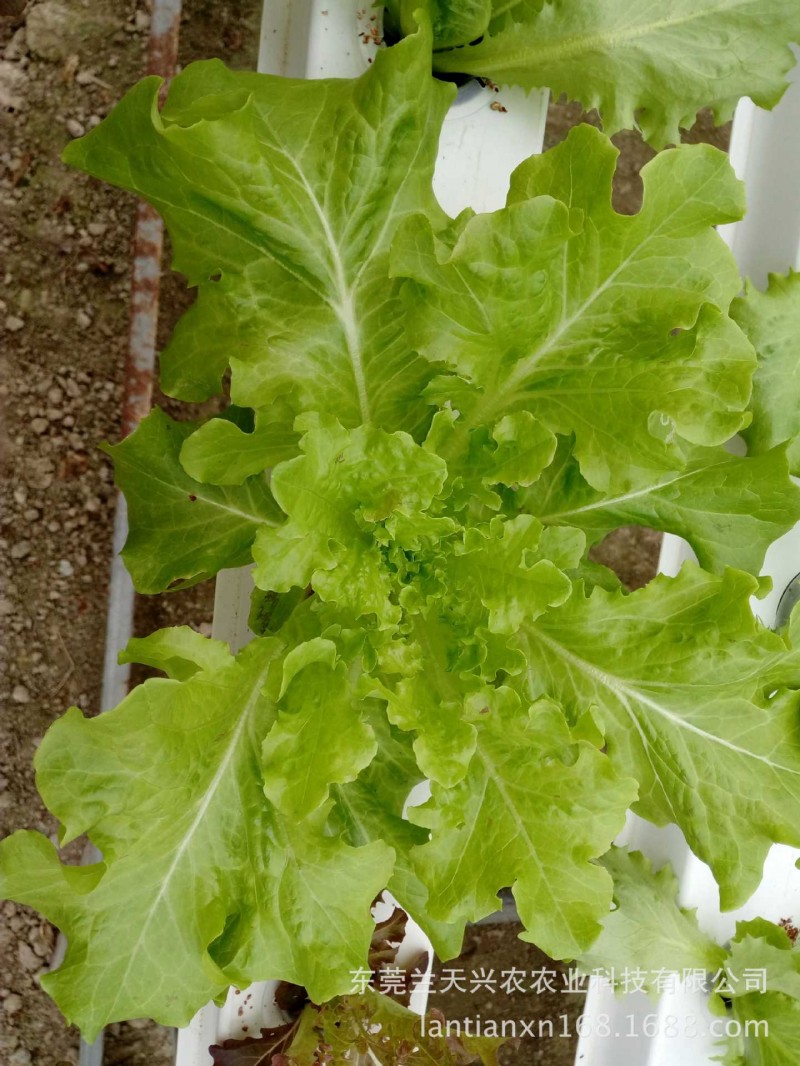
[(431, 421)]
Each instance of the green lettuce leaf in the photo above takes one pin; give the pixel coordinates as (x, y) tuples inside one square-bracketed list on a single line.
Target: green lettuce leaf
[(372, 807), (606, 326), (203, 883), (431, 702), (515, 567), (729, 508), (773, 1036), (181, 530), (542, 806), (649, 67), (311, 747), (767, 952), (179, 651), (343, 495), (224, 452), (513, 453), (689, 689), (647, 930), (771, 320), (286, 231), (454, 22), (770, 1019)]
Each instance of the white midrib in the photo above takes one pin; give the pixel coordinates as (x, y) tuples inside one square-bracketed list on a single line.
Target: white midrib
[(625, 692), (613, 501), (542, 53), (344, 306), (203, 805), (176, 490)]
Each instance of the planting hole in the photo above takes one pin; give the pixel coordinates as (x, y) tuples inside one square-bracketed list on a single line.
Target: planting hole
[(790, 597)]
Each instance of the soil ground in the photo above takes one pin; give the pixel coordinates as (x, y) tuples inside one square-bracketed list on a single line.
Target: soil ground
[(65, 255)]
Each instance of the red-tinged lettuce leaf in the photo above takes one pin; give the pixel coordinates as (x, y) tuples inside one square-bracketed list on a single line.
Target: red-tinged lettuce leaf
[(377, 1026), (386, 939), (267, 1049)]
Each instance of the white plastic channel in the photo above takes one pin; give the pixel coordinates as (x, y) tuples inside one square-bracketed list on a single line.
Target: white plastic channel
[(765, 153), (479, 148)]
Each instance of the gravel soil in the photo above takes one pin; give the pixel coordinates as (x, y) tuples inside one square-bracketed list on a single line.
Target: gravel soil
[(65, 255), (65, 270)]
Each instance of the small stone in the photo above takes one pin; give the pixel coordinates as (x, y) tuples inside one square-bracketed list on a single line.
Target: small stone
[(55, 395), (39, 425), (12, 1003), (39, 472), (65, 568), (45, 29), (21, 549), (12, 86), (142, 21), (85, 77), (28, 957), (83, 320), (41, 940), (20, 1057), (17, 47), (14, 324), (75, 128), (20, 694), (97, 229), (52, 30)]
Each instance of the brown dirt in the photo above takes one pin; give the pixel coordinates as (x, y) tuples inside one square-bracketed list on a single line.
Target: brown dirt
[(65, 253), (65, 250), (539, 998)]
